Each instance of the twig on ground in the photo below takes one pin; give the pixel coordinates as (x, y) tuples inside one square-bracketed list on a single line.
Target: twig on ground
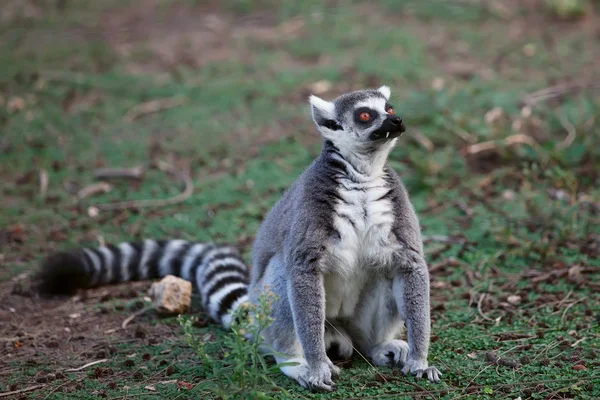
[(488, 366), (511, 140), (479, 302), (120, 173), (94, 189), (562, 317), (24, 390), (571, 133), (532, 99), (86, 365), (134, 316), (66, 382), (444, 239), (43, 183), (460, 132), (152, 106), (448, 262), (546, 349), (132, 204), (549, 275), (423, 141)]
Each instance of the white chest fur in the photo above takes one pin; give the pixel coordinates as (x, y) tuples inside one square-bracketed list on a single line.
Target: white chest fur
[(363, 220)]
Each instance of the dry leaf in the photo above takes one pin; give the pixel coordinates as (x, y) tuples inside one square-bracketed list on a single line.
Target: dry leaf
[(185, 385), (15, 104)]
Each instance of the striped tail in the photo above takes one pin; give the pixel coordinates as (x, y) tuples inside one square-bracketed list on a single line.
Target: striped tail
[(218, 272)]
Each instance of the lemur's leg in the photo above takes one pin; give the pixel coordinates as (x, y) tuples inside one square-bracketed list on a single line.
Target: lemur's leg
[(337, 342), (377, 326), (297, 333), (411, 291)]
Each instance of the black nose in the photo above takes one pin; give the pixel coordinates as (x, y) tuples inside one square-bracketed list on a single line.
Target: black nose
[(396, 120)]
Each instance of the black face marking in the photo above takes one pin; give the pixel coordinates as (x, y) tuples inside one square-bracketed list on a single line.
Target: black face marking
[(333, 125), (391, 128)]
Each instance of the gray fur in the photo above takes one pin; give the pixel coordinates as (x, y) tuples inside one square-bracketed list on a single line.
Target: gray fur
[(344, 245)]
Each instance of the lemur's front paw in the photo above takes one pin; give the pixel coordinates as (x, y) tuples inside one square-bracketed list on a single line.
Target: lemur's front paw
[(419, 368), (315, 377), (319, 376)]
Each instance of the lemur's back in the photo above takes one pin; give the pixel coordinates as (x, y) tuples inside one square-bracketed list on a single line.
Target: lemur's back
[(277, 225)]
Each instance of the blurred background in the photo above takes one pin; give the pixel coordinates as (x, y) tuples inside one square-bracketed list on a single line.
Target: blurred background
[(501, 155)]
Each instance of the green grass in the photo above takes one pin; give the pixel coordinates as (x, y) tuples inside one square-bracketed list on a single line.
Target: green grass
[(244, 134)]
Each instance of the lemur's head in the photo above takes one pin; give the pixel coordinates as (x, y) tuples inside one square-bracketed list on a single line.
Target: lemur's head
[(363, 120)]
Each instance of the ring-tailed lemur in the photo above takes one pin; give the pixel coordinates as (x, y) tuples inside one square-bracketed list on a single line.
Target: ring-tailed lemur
[(341, 249)]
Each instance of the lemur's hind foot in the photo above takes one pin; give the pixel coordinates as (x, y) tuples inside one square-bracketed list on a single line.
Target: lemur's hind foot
[(389, 353)]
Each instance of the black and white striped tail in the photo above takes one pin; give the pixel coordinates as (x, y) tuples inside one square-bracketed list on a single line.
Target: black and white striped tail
[(219, 272)]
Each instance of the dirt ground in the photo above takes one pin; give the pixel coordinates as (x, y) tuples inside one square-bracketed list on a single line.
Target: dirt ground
[(55, 335), (553, 265)]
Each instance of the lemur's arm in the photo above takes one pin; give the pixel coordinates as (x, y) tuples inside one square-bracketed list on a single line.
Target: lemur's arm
[(411, 283), (411, 290), (307, 297), (306, 293)]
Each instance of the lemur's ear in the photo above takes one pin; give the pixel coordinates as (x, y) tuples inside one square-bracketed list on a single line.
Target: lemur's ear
[(385, 91), (323, 113)]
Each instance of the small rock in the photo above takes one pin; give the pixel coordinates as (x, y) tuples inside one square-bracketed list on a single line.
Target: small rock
[(438, 83), (93, 212), (171, 296), (514, 299), (509, 195)]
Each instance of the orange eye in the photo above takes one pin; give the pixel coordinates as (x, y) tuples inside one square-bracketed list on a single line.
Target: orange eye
[(390, 110), (364, 116)]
